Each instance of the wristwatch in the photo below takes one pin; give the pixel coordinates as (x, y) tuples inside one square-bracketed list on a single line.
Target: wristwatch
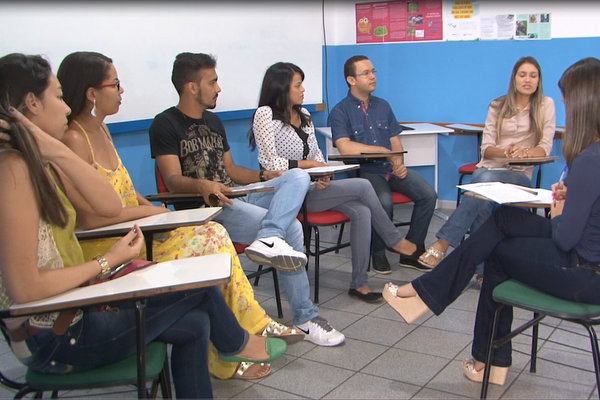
[(104, 267)]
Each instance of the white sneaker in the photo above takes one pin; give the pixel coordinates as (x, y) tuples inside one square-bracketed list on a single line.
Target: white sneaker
[(318, 331), (276, 252)]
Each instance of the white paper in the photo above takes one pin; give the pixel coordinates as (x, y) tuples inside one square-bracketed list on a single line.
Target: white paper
[(503, 193), (331, 169)]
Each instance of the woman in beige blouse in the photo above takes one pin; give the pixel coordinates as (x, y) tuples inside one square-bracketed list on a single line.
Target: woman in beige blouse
[(519, 124)]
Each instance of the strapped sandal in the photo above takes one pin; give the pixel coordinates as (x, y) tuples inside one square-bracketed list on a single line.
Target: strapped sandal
[(290, 335), (433, 252), (243, 367)]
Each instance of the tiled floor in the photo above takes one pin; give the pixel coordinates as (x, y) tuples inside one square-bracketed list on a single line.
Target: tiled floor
[(385, 358)]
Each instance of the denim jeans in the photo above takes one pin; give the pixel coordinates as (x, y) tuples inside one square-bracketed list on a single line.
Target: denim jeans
[(513, 243), (275, 213), (472, 212), (419, 191), (356, 198), (186, 320)]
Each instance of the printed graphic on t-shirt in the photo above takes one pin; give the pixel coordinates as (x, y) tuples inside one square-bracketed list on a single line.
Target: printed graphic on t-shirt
[(201, 154)]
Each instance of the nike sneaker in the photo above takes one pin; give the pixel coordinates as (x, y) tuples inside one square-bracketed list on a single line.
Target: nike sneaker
[(318, 331), (275, 252)]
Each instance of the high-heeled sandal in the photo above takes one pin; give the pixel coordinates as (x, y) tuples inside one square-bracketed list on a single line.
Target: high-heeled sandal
[(275, 329), (409, 308), (240, 372), (497, 374)]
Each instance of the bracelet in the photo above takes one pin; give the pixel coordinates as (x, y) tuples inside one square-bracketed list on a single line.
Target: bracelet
[(104, 267), (261, 175)]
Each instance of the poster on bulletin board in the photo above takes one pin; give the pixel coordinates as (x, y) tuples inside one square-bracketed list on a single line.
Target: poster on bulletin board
[(397, 21)]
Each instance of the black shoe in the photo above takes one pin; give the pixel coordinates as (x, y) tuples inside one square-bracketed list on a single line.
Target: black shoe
[(381, 265), (371, 297), (412, 262)]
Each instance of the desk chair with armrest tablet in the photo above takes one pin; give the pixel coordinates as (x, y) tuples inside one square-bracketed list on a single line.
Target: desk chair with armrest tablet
[(120, 373), (517, 294), (239, 247)]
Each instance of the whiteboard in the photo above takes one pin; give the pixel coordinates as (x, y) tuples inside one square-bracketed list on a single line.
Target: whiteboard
[(143, 39)]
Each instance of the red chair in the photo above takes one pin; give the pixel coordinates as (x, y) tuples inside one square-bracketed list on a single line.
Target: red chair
[(239, 247), (399, 198), (464, 170), (312, 221)]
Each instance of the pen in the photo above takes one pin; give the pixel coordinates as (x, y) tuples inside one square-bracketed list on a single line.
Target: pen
[(563, 173)]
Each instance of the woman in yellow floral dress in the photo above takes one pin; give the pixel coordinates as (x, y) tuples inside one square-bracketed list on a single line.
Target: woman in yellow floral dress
[(92, 89)]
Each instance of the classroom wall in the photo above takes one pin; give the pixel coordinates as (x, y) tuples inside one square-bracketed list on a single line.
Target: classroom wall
[(426, 81)]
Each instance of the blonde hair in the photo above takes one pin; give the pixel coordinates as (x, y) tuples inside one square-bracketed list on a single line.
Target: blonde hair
[(507, 106)]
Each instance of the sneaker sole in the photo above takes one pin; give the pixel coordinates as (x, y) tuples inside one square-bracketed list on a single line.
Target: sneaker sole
[(284, 263), (325, 344), (385, 272)]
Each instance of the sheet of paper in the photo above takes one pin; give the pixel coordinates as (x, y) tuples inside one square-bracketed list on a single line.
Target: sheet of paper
[(503, 193), (332, 169)]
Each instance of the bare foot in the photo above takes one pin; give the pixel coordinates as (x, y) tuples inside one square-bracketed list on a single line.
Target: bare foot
[(363, 289), (247, 370), (255, 348), (406, 290), (434, 253), (405, 247)]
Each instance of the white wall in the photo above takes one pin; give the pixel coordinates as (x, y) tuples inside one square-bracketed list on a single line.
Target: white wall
[(143, 39), (569, 18)]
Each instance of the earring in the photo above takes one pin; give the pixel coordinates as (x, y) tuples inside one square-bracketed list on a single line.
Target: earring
[(93, 108)]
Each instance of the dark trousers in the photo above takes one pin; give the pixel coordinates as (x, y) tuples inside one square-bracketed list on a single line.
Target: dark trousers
[(513, 244)]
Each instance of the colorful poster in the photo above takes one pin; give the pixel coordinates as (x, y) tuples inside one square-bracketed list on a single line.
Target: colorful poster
[(533, 26), (395, 21), (462, 21)]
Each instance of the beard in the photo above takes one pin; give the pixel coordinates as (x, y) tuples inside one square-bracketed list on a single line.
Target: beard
[(206, 106)]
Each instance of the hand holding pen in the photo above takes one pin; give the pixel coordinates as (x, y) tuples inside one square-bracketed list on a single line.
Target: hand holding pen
[(559, 193)]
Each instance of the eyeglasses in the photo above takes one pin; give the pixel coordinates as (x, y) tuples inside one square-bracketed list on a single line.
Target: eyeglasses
[(117, 84), (366, 73)]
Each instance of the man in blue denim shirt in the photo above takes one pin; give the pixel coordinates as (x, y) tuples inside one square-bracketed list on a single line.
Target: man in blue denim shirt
[(362, 122)]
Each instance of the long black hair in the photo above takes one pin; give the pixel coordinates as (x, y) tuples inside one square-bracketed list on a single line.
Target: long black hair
[(275, 94)]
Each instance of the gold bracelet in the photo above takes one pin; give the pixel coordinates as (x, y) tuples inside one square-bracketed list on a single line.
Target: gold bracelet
[(104, 267)]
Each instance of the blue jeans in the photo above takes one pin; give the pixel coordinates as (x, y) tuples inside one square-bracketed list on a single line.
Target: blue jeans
[(275, 213), (472, 211), (185, 320), (356, 198), (513, 243), (419, 191)]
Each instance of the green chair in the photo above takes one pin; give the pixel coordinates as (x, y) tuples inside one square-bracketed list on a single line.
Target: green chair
[(120, 373), (516, 294)]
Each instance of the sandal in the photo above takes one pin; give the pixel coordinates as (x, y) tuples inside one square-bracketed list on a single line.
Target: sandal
[(240, 372), (497, 374), (290, 335), (409, 308), (431, 252)]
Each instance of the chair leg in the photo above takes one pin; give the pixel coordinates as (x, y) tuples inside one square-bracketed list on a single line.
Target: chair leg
[(490, 352), (277, 293), (339, 241), (258, 274), (595, 354), (534, 345), (165, 380), (317, 257)]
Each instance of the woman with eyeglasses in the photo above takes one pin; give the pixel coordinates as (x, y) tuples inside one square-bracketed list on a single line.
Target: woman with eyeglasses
[(43, 184), (284, 134), (92, 89)]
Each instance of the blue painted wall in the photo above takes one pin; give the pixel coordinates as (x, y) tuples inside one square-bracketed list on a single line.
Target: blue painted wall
[(434, 81)]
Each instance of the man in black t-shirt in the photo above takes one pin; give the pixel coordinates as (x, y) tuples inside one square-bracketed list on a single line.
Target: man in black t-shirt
[(190, 147)]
